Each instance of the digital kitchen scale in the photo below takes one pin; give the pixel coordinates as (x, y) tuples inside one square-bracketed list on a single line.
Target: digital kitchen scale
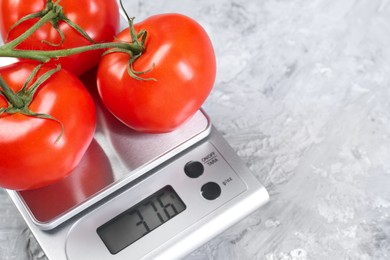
[(142, 196)]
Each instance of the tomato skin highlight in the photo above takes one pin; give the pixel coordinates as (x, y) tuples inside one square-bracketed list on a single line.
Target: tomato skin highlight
[(99, 18), (182, 61), (31, 157)]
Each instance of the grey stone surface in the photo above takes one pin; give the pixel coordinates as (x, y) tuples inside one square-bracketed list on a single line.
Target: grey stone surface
[(303, 96)]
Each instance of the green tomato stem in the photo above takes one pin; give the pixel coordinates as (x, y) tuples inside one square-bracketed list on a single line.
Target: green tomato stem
[(13, 99), (47, 17), (45, 56)]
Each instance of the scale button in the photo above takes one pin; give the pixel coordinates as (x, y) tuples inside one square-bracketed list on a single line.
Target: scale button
[(211, 191), (194, 169)]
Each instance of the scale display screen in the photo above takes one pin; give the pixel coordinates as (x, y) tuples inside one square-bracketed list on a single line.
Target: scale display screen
[(141, 219)]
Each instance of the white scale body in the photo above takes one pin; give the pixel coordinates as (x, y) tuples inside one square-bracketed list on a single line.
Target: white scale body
[(104, 209)]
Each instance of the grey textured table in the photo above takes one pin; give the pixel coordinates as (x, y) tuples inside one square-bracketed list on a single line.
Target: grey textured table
[(303, 96)]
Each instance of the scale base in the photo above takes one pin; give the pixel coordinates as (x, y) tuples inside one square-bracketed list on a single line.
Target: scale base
[(241, 194)]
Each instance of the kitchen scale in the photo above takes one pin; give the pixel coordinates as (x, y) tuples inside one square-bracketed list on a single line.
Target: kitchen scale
[(142, 196)]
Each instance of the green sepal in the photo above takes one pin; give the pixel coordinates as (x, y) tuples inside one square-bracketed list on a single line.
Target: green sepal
[(19, 102), (78, 29), (60, 32)]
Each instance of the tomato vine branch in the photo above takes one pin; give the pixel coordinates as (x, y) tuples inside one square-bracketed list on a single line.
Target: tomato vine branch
[(53, 8), (45, 56), (53, 13)]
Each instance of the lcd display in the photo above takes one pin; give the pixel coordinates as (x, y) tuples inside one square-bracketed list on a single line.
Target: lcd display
[(141, 219)]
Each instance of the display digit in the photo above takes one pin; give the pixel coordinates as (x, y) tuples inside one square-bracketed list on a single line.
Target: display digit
[(141, 221), (167, 206), (156, 211)]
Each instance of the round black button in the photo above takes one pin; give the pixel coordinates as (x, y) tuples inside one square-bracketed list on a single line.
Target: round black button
[(211, 191), (194, 169)]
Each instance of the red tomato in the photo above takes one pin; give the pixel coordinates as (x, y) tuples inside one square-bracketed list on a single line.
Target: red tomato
[(184, 67), (31, 157), (99, 18)]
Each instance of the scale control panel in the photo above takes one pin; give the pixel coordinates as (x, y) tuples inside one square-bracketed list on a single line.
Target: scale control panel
[(157, 211)]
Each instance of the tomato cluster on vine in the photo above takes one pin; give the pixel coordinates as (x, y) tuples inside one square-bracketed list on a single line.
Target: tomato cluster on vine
[(152, 76)]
